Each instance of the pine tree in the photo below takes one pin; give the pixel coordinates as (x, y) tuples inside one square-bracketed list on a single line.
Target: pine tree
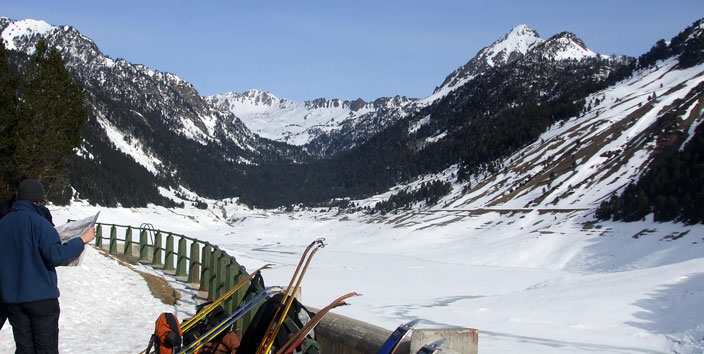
[(52, 111)]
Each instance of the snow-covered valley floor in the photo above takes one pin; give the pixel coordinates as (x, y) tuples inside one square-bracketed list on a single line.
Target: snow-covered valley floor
[(530, 282)]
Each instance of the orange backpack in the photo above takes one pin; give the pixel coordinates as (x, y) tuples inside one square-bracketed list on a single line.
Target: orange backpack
[(167, 335)]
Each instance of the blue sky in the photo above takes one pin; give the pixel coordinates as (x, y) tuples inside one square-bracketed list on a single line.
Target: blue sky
[(304, 50)]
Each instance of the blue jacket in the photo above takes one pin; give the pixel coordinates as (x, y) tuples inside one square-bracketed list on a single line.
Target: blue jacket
[(30, 249)]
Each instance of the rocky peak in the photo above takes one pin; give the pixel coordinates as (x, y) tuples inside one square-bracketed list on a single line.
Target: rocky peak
[(509, 48), (562, 46), (250, 97), (17, 34), (393, 102), (326, 103)]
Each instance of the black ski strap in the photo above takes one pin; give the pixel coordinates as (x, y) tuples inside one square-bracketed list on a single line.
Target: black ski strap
[(151, 342), (171, 321)]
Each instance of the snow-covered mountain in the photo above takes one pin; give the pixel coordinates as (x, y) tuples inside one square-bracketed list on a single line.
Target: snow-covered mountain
[(519, 42), (326, 126), (300, 123), (156, 99)]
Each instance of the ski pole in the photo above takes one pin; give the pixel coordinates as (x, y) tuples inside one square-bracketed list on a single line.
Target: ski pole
[(298, 338), (274, 325)]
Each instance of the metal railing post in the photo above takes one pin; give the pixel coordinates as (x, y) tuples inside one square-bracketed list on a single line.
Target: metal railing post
[(157, 254), (220, 275), (229, 283), (205, 267), (113, 240), (99, 236), (213, 281), (239, 295), (181, 261), (143, 246), (194, 262), (169, 257), (128, 242), (247, 318)]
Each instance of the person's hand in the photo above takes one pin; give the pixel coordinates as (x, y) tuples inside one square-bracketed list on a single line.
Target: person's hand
[(89, 235)]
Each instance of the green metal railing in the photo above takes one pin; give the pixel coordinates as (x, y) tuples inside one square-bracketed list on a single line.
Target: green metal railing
[(196, 262)]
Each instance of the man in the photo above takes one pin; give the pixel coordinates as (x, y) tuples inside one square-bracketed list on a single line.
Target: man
[(31, 249)]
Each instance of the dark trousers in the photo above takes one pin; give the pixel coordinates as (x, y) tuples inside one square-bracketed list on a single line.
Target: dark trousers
[(35, 326)]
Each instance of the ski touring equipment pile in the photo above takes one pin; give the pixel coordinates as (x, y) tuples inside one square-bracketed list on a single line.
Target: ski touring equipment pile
[(230, 320)]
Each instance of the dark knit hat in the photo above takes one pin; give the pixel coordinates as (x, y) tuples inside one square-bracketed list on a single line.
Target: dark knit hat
[(30, 189)]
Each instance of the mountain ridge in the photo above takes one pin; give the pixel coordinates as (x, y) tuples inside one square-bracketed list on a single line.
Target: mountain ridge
[(200, 144)]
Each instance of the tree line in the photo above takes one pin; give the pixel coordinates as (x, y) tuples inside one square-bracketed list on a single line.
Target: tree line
[(429, 192)]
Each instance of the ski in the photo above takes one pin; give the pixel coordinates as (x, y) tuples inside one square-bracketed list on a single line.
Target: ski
[(299, 336), (396, 337), (432, 347), (279, 316), (193, 320), (232, 318)]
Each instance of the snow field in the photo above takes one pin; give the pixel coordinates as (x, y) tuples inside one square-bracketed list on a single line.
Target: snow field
[(528, 282)]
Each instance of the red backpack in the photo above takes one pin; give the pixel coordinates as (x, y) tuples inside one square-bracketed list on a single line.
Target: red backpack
[(167, 335)]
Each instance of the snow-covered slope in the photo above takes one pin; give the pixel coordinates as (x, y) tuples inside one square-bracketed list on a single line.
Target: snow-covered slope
[(531, 281), (579, 162)]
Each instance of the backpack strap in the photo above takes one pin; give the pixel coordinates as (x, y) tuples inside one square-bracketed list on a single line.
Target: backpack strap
[(152, 340), (171, 321), (310, 346)]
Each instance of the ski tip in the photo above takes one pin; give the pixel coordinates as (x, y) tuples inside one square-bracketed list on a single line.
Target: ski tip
[(413, 322), (439, 342), (432, 347)]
